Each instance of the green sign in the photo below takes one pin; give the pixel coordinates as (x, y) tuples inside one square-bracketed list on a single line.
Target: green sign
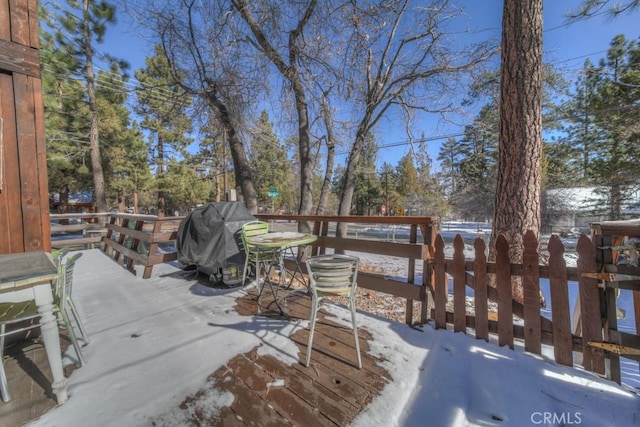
[(273, 192)]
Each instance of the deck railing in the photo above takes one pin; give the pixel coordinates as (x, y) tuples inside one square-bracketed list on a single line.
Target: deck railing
[(417, 250), (137, 240)]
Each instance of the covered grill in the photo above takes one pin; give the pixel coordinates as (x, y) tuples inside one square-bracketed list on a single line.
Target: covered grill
[(209, 239)]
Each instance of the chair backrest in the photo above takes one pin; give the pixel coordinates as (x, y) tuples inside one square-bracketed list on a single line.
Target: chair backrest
[(333, 272), (253, 228), (66, 281)]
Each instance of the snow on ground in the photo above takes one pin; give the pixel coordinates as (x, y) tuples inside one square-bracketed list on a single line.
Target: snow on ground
[(155, 341)]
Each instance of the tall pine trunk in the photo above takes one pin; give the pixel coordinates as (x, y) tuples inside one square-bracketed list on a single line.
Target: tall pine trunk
[(517, 198)]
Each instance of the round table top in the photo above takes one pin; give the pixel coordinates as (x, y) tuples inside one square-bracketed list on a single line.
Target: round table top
[(282, 239)]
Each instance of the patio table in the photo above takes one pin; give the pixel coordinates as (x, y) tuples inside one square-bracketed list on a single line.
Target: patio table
[(28, 276), (282, 242)]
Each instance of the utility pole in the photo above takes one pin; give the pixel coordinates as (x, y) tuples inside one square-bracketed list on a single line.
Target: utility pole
[(386, 193), (225, 179)]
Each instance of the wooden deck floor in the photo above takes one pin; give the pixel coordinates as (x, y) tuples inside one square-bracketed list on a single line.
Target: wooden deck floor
[(267, 392), (330, 392)]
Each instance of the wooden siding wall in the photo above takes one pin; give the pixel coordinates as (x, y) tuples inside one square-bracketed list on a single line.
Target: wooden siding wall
[(24, 200)]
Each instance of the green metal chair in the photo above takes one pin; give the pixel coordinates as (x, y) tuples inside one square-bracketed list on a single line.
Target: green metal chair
[(332, 274), (25, 311)]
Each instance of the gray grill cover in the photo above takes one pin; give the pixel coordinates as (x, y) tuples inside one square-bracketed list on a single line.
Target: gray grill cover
[(209, 237)]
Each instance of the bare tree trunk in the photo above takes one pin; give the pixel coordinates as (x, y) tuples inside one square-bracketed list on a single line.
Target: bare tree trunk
[(94, 140), (517, 199), (290, 72), (331, 153), (242, 169)]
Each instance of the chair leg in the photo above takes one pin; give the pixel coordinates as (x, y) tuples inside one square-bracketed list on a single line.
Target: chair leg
[(355, 332), (4, 387), (72, 336), (246, 266), (312, 326), (76, 316)]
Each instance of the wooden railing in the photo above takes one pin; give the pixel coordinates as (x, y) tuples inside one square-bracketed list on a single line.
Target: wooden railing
[(77, 230), (137, 238), (619, 273), (414, 250)]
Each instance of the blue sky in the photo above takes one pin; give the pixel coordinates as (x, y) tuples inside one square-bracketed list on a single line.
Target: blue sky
[(566, 46)]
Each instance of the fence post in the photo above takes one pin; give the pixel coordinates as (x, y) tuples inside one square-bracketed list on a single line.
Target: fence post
[(559, 290), (441, 287), (593, 358), (480, 289), (531, 294), (459, 286), (505, 293)]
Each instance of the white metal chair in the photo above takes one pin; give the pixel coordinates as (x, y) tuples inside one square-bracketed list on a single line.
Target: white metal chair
[(21, 312), (333, 274)]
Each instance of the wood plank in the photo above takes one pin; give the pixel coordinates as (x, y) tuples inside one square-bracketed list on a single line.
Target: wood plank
[(560, 307), (441, 285), (480, 290), (459, 287), (19, 59), (5, 19), (516, 269), (356, 219), (247, 404), (329, 403), (401, 250), (19, 21), (611, 323), (518, 331), (34, 35), (28, 162), (11, 188), (531, 294), (41, 153), (503, 285), (411, 275), (593, 358)]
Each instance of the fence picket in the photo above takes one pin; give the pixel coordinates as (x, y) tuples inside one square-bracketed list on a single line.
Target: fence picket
[(505, 294), (441, 285), (531, 294), (593, 358), (560, 311), (459, 286), (480, 289)]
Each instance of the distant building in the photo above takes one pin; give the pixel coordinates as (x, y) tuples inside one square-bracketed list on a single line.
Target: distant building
[(568, 209), (79, 201)]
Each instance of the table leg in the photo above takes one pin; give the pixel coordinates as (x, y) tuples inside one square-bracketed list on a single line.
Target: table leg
[(51, 338)]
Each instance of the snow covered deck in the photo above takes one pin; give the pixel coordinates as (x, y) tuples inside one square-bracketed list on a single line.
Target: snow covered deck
[(167, 349)]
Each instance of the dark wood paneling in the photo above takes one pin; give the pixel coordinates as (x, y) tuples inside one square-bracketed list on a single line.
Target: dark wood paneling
[(19, 13), (24, 201), (11, 204), (5, 23), (28, 162), (17, 58)]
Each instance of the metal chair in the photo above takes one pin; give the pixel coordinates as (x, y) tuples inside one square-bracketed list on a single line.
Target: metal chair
[(21, 312), (254, 254), (333, 274)]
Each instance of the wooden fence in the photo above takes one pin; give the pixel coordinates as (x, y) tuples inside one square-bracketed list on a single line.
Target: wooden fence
[(530, 325), (413, 250), (136, 239)]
